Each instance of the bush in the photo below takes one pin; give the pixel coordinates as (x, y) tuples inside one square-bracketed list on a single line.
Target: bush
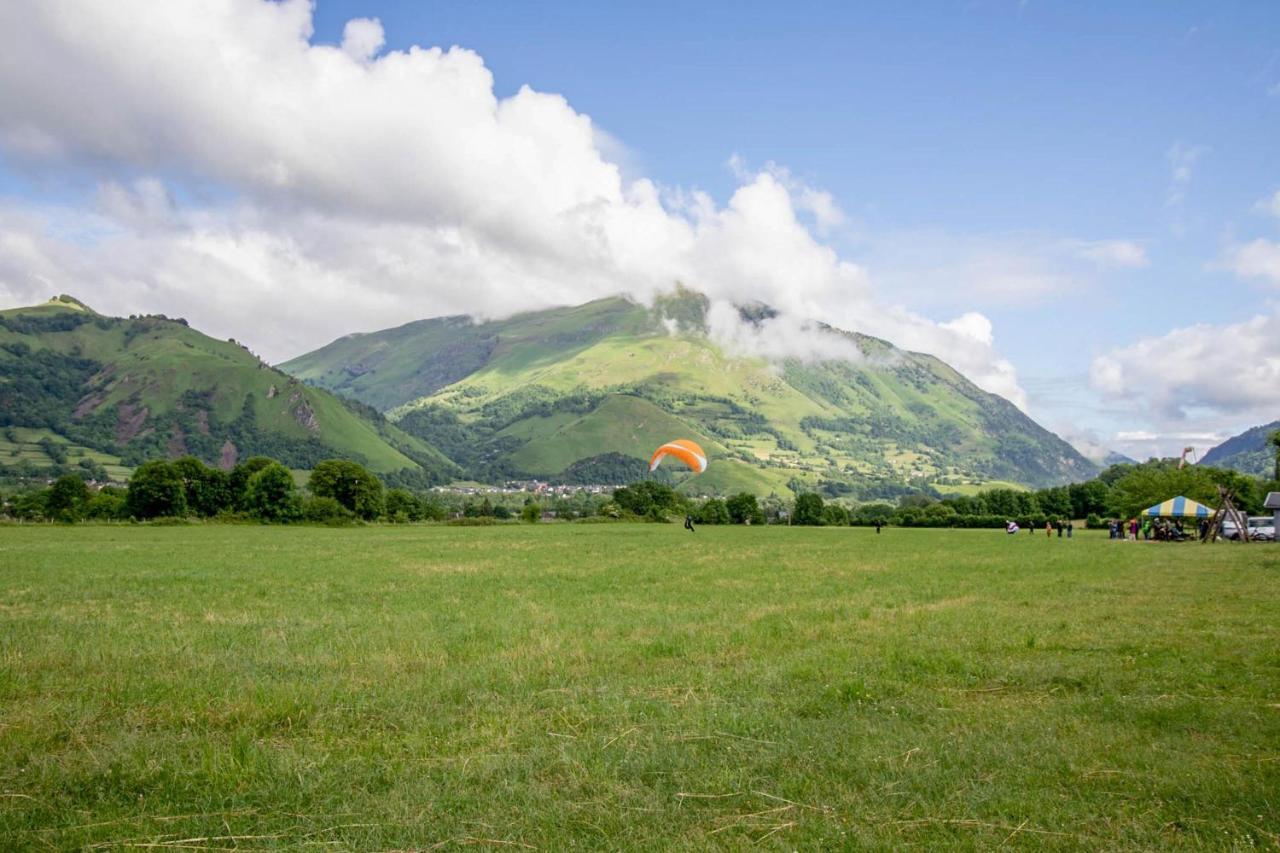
[(532, 513), (326, 510)]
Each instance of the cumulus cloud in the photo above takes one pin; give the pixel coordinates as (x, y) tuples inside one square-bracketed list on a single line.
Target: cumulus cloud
[(290, 192), (1257, 259), (362, 38), (1198, 372)]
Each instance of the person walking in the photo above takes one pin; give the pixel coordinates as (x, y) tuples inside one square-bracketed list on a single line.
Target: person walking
[(1071, 526), (877, 527), (1060, 528), (688, 523), (1133, 528), (1048, 530)]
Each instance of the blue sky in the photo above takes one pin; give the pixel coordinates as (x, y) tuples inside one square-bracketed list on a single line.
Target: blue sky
[(1087, 177), (977, 119)]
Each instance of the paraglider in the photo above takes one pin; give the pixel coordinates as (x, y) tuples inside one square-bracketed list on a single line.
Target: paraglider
[(683, 449)]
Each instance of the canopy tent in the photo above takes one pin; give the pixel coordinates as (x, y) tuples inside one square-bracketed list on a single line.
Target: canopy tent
[(1179, 507)]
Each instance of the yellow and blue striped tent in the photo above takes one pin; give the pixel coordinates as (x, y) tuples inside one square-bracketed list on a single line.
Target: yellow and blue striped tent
[(1179, 507)]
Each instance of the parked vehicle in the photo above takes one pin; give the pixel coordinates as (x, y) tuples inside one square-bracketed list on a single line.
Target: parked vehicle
[(1262, 528)]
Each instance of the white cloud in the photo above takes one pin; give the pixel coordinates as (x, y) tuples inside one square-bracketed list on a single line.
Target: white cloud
[(1198, 373), (362, 38), (1182, 159), (1111, 253), (1270, 205), (346, 188), (1258, 259), (996, 271)]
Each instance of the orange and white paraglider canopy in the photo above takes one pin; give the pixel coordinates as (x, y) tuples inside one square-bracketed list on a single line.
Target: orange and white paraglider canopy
[(683, 449)]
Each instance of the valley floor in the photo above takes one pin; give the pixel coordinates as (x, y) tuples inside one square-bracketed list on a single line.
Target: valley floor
[(633, 686)]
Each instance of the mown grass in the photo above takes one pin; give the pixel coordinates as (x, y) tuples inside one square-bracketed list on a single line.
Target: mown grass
[(634, 686)]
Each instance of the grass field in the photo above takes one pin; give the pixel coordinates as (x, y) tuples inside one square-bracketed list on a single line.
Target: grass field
[(633, 686), (27, 448)]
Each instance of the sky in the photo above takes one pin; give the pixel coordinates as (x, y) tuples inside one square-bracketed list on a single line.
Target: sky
[(1076, 205)]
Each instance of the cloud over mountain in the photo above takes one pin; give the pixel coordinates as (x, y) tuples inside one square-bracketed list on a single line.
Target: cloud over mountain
[(294, 191)]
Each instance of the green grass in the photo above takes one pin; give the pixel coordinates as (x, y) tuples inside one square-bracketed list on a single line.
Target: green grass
[(895, 414), (154, 367), (27, 448), (634, 686)]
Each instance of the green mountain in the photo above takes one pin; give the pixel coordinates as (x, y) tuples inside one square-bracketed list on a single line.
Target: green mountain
[(584, 394), (73, 382), (1250, 452)]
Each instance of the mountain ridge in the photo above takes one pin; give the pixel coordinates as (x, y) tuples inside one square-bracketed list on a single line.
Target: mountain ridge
[(148, 386), (541, 392), (1249, 452)]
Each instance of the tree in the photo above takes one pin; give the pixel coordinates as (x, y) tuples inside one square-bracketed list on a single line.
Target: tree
[(207, 490), (647, 498), (238, 479), (1152, 482), (433, 510), (1087, 498), (834, 515), (155, 489), (1274, 439), (271, 494), (350, 484), (714, 511), (744, 509), (105, 505), (531, 513), (67, 498), (808, 509), (1055, 502), (402, 506)]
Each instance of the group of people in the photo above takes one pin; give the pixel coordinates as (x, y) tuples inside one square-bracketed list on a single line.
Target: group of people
[(1066, 528), (1159, 529)]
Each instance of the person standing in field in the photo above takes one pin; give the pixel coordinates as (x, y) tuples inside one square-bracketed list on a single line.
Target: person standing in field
[(1133, 528), (1071, 526), (877, 527), (1048, 529)]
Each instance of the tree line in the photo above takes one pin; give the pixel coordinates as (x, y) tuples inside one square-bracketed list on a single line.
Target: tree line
[(260, 489), (342, 491)]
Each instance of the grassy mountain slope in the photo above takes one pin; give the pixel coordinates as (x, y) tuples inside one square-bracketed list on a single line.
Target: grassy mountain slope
[(149, 386), (1250, 452), (590, 390)]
